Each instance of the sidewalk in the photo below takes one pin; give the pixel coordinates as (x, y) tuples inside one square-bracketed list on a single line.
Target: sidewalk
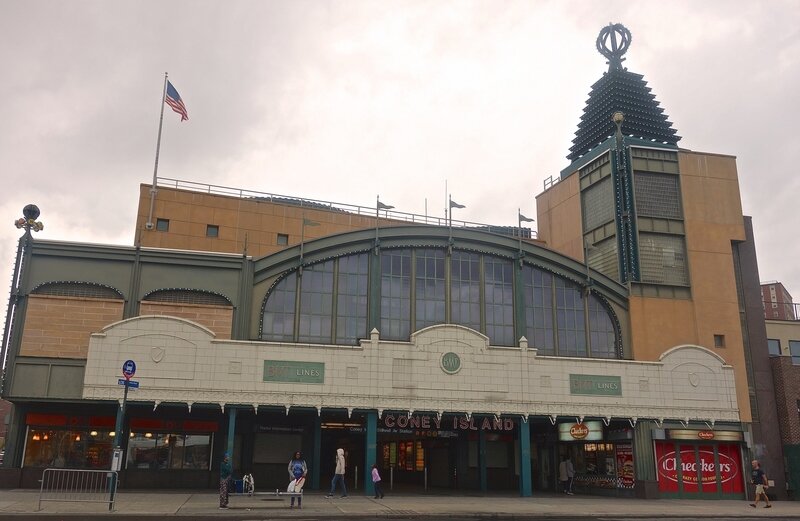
[(22, 504)]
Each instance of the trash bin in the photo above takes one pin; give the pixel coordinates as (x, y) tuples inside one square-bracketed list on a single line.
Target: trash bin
[(238, 486)]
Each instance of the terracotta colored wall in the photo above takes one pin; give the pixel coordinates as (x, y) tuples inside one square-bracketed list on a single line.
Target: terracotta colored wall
[(239, 220), (713, 219), (558, 213), (216, 318), (60, 326)]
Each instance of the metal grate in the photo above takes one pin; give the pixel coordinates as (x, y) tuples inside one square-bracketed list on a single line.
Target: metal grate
[(598, 205), (663, 259), (77, 289), (657, 195), (187, 296)]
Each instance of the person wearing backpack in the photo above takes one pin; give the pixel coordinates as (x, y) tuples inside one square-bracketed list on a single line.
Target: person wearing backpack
[(297, 473)]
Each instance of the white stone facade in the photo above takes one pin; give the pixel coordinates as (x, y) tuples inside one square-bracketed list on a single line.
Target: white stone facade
[(179, 361)]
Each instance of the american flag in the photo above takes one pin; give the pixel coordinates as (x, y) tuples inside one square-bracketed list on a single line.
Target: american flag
[(174, 100)]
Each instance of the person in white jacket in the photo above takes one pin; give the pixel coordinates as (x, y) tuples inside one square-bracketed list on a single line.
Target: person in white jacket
[(338, 474)]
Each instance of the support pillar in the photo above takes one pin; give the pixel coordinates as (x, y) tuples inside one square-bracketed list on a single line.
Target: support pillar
[(317, 461), (231, 431), (525, 486), (482, 459), (370, 451)]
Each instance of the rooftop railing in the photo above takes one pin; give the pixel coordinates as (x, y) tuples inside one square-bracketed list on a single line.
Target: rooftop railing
[(316, 204), (781, 310)]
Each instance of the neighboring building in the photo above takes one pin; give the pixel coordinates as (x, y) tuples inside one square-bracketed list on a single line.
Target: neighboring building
[(778, 304), (458, 358), (783, 337)]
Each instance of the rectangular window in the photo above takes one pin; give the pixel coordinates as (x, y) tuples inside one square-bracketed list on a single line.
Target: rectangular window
[(283, 239), (774, 347), (162, 451), (351, 299), (162, 225), (794, 350), (396, 294), (570, 319), (499, 295), (465, 289), (316, 303), (719, 340), (538, 286), (212, 230), (430, 287)]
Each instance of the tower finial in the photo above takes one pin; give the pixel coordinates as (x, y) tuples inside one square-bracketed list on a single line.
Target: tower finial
[(619, 38)]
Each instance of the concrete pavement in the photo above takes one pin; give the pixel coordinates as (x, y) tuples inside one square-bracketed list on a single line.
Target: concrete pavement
[(22, 504)]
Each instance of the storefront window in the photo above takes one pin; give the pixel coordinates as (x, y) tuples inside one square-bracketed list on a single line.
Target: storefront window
[(159, 451), (61, 448)]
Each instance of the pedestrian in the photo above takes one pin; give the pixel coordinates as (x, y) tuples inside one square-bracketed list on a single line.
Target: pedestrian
[(566, 474), (759, 478), (338, 474), (297, 473), (376, 482), (225, 473)]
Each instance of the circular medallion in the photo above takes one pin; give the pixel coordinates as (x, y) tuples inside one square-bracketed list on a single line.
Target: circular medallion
[(451, 363)]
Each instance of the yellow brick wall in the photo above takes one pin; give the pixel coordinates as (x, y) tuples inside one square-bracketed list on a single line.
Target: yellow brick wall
[(216, 318), (59, 327), (240, 220)]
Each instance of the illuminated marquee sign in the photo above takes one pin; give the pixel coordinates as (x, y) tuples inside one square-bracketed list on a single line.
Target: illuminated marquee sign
[(586, 431)]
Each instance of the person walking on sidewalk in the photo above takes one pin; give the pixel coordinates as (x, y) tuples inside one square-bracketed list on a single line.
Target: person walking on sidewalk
[(297, 473), (566, 473), (376, 482), (759, 478), (338, 474), (225, 473)]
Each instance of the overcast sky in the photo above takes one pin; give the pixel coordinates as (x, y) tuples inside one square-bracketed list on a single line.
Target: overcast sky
[(344, 100)]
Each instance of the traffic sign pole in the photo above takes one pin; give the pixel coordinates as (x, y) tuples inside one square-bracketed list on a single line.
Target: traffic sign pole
[(128, 370)]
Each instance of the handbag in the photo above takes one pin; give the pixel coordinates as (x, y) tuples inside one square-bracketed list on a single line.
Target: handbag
[(291, 486)]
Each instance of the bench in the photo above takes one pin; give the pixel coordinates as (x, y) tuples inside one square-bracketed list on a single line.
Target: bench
[(249, 490)]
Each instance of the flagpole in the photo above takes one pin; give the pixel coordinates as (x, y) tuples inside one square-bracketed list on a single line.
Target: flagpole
[(302, 238), (519, 230), (153, 190), (377, 217)]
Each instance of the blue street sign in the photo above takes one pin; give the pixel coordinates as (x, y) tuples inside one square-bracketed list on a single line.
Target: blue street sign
[(132, 384), (128, 368)]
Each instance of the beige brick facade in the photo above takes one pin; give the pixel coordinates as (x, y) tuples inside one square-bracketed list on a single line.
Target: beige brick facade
[(60, 327), (218, 319)]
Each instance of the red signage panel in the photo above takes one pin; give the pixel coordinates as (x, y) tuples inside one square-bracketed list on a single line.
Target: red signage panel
[(698, 468)]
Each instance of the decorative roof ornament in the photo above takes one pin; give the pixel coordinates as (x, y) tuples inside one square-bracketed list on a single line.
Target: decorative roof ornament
[(620, 90), (619, 37)]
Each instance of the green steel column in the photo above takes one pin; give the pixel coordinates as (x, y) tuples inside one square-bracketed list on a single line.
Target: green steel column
[(374, 300), (482, 459), (370, 452), (316, 462), (525, 485), (231, 430)]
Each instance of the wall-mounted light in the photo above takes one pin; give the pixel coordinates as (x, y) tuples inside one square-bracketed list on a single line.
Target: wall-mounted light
[(93, 433)]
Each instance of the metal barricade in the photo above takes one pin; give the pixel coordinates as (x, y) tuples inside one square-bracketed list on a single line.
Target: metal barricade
[(78, 486)]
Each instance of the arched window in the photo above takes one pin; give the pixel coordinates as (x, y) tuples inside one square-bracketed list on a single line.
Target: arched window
[(330, 302)]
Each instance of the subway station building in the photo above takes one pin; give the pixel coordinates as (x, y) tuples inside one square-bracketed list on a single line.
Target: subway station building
[(455, 356)]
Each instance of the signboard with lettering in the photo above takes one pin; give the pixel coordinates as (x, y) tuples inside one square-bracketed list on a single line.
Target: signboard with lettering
[(294, 372), (586, 431), (698, 468), (596, 385)]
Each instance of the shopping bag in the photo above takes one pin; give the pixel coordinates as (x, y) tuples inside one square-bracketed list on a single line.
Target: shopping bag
[(291, 486), (299, 482)]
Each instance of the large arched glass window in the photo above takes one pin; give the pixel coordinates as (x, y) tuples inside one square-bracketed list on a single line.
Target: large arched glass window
[(330, 302)]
